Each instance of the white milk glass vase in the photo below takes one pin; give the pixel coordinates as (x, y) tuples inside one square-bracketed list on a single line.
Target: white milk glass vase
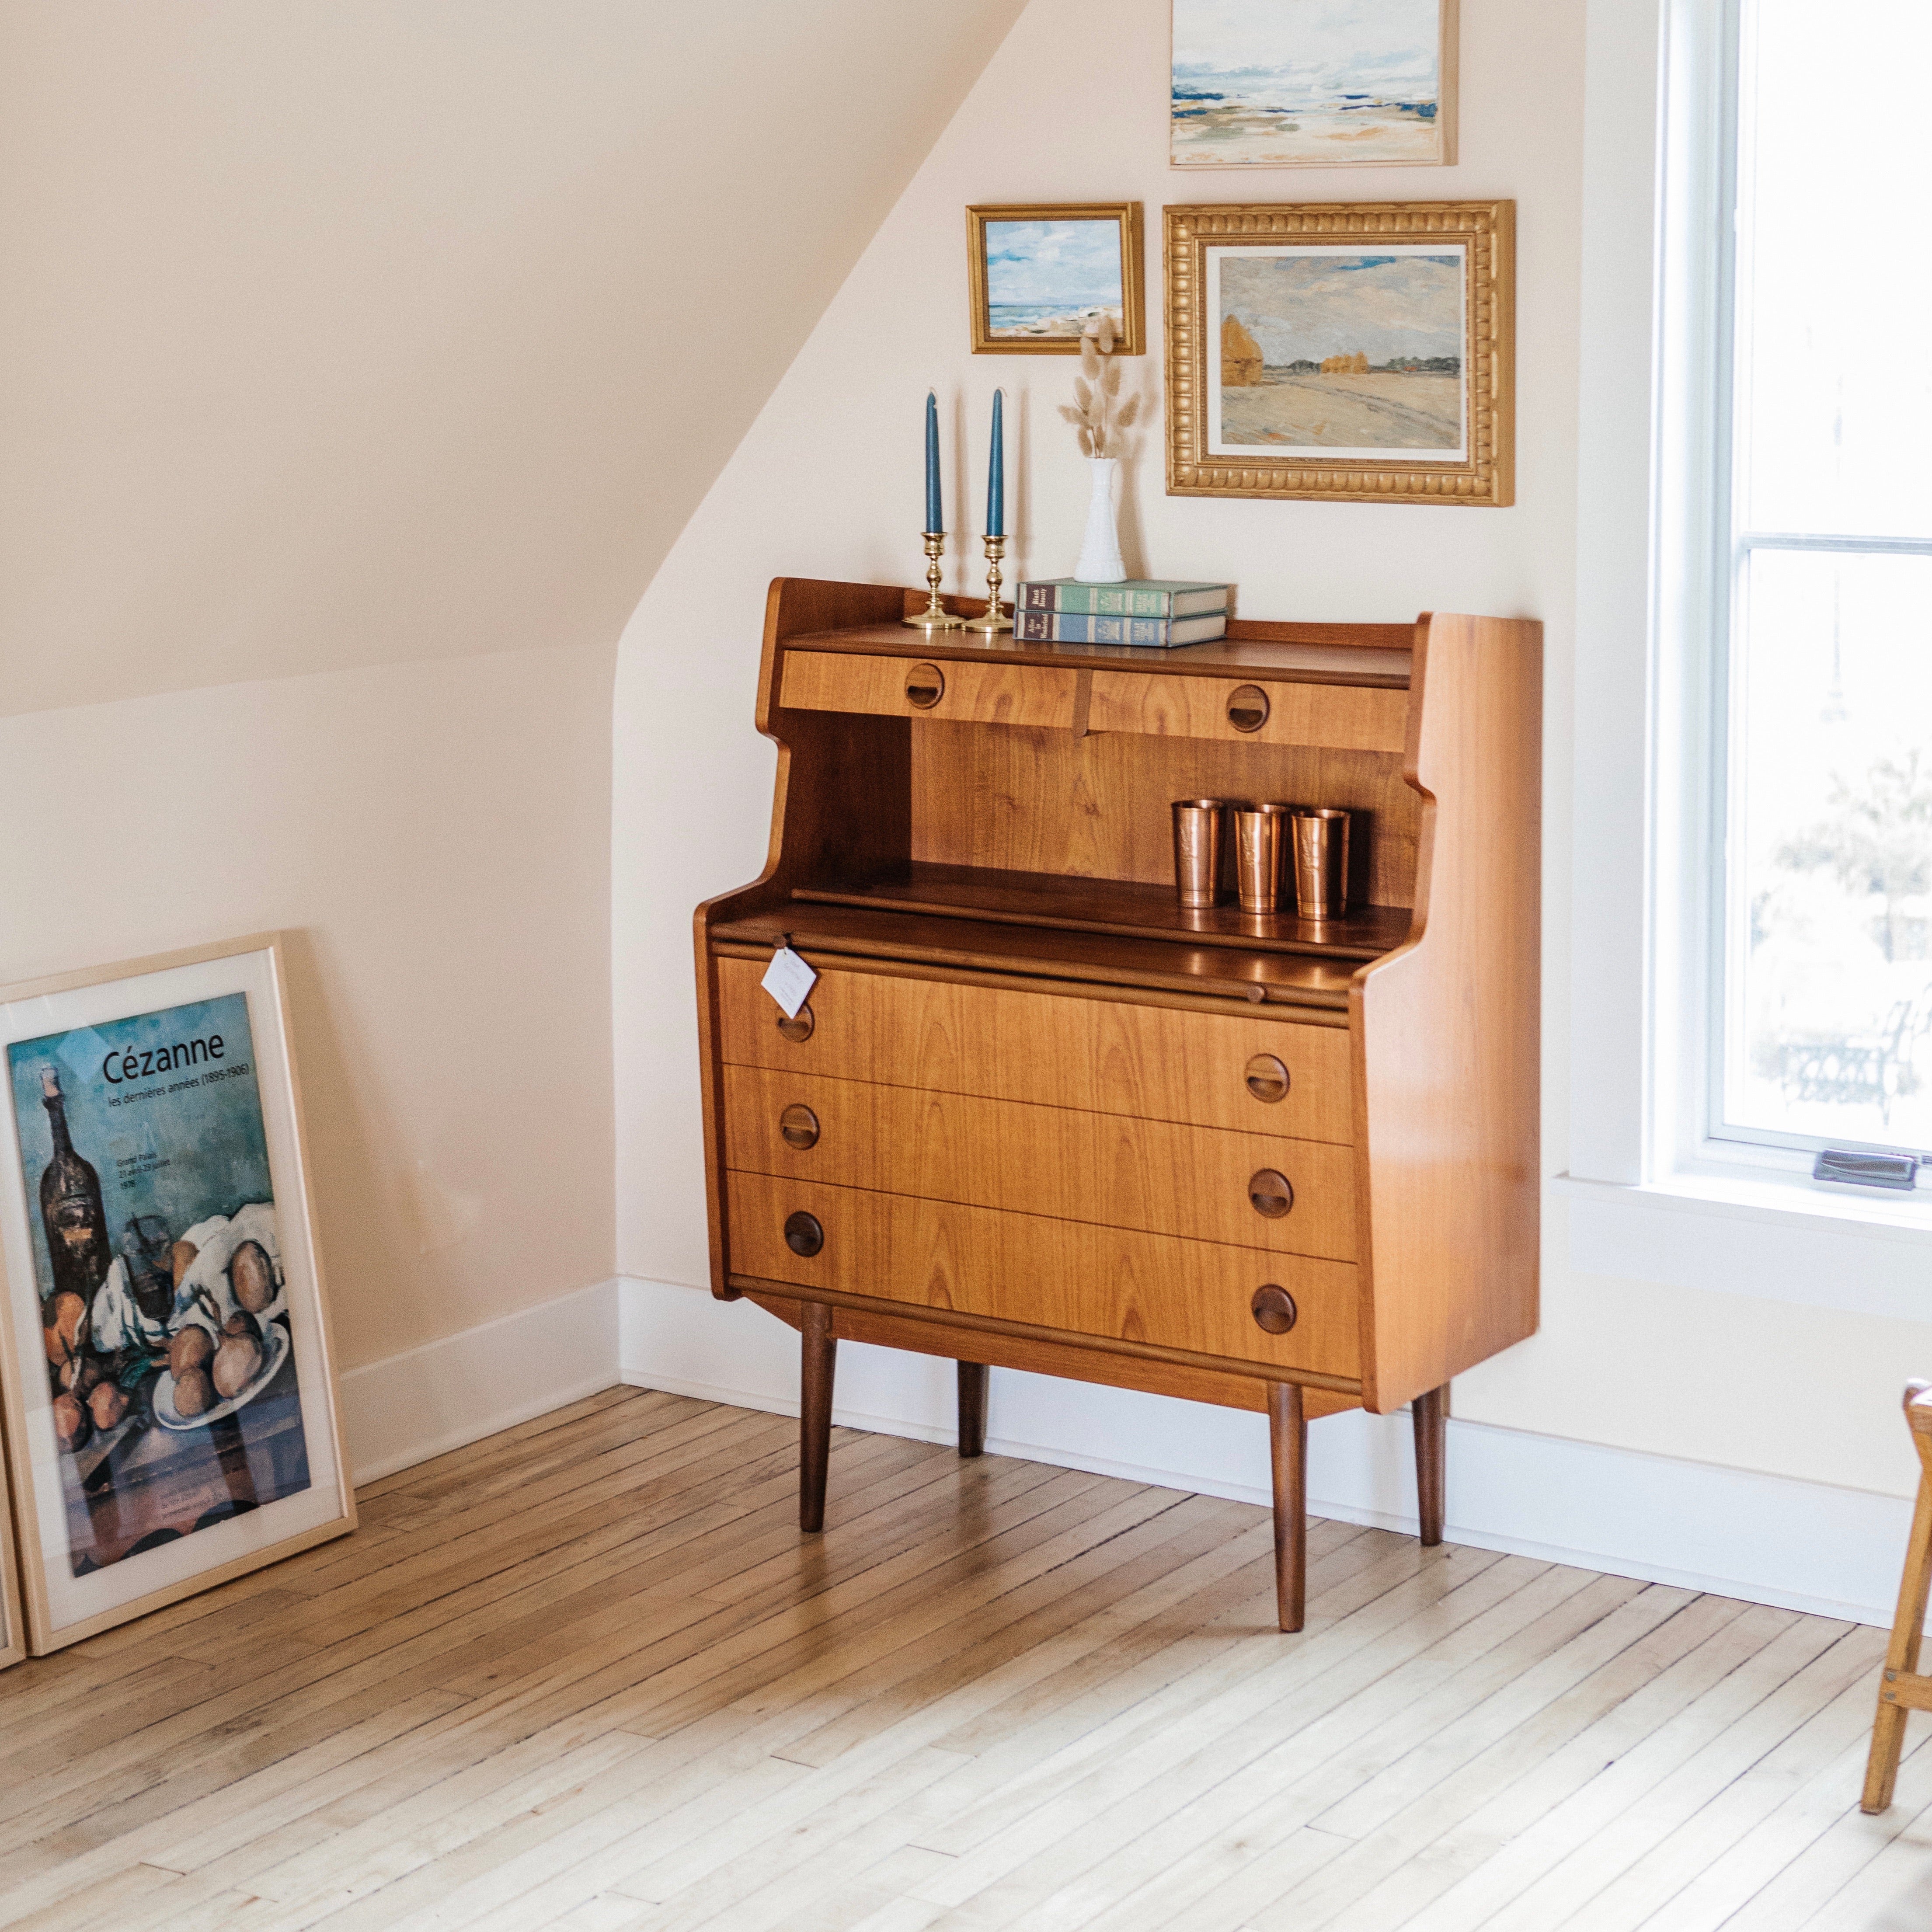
[(1100, 548)]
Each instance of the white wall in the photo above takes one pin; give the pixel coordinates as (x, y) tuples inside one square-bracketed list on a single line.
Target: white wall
[(359, 360), (1637, 1357)]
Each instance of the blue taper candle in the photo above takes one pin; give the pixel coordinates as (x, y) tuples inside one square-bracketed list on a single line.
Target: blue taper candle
[(996, 475), (934, 514)]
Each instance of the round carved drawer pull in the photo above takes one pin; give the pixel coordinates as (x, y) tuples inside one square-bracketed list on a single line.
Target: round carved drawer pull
[(925, 685), (804, 1236), (1269, 1193), (1247, 707), (1268, 1078), (1273, 1309), (800, 1026), (799, 1126)]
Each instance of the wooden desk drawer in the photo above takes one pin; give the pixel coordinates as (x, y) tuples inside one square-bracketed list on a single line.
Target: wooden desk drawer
[(1062, 1275), (1100, 1056), (1152, 1175), (964, 692), (1354, 718)]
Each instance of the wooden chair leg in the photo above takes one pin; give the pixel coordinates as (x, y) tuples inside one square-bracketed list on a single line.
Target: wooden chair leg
[(1288, 1444), (819, 1357), (1430, 1412), (973, 1377), (1901, 1658)]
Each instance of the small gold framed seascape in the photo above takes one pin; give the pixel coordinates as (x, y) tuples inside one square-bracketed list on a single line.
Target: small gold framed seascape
[(1043, 274), (1342, 351)]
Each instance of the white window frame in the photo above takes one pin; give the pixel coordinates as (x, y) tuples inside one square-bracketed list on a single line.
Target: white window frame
[(1653, 441), (1720, 628)]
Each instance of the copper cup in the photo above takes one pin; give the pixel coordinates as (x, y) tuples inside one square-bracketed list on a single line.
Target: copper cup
[(1260, 848), (1199, 825), (1320, 838)]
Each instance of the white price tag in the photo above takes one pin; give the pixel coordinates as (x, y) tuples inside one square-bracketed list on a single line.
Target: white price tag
[(788, 980)]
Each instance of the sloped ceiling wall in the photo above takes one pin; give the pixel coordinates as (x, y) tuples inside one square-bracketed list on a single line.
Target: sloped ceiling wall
[(343, 332), (359, 360)]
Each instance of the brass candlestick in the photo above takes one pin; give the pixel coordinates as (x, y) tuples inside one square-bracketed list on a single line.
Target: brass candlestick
[(934, 616), (993, 622)]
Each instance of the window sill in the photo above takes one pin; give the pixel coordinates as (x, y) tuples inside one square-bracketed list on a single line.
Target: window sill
[(1785, 1238)]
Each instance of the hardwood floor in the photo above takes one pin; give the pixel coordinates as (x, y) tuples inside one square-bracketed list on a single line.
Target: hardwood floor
[(588, 1674)]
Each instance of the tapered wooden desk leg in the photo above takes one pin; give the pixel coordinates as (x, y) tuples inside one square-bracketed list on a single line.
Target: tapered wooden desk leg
[(973, 1379), (1288, 1443), (819, 1357), (1430, 1413), (1901, 1658)]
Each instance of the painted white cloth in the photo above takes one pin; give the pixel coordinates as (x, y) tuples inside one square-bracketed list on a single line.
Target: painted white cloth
[(118, 1320)]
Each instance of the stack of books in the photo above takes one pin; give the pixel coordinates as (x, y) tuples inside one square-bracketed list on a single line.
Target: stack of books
[(1143, 610)]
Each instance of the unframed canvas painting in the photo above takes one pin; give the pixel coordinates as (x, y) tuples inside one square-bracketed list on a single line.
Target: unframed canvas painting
[(1345, 349), (1297, 83)]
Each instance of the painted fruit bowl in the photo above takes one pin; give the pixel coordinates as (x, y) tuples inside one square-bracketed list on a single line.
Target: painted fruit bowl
[(275, 1346)]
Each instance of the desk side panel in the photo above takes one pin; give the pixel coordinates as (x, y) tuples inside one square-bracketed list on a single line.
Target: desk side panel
[(1445, 1028)]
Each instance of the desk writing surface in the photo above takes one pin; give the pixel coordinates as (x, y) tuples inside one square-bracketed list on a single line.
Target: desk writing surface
[(1382, 665)]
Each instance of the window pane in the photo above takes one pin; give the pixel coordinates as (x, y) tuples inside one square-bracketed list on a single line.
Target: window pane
[(1830, 907), (1834, 272)]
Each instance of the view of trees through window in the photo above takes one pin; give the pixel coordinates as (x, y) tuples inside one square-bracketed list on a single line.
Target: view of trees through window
[(1826, 1032)]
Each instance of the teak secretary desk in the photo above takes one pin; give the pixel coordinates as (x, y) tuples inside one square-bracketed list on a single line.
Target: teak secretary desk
[(1034, 1115)]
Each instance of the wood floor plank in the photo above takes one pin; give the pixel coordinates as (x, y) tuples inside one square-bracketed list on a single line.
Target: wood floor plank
[(1564, 1856), (587, 1674), (1279, 1793), (1262, 1683), (1240, 1876), (1829, 1862)]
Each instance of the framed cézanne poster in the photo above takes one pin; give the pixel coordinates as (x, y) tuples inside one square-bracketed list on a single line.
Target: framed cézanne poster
[(165, 1370)]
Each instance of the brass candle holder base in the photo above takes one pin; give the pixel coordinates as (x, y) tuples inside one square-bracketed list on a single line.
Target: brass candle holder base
[(935, 617), (994, 622)]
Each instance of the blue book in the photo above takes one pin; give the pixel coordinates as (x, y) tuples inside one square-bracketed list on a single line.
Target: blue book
[(1067, 627)]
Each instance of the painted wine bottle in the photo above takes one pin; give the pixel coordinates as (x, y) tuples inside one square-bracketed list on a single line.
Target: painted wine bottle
[(71, 1211)]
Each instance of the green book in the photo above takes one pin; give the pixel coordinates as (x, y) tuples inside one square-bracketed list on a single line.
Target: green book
[(1139, 597)]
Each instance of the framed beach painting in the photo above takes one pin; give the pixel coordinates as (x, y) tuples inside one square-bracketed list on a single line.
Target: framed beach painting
[(1354, 352), (1042, 275), (165, 1372), (1313, 83)]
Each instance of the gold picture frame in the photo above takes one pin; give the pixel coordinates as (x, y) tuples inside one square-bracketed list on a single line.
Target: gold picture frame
[(165, 1498), (1056, 332), (1274, 404)]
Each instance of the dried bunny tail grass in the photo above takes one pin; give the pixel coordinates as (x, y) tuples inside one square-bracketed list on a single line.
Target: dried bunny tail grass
[(1099, 419)]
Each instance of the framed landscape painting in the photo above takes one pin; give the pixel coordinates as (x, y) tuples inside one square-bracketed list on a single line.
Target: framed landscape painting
[(1347, 351), (1313, 83), (1043, 274), (165, 1370)]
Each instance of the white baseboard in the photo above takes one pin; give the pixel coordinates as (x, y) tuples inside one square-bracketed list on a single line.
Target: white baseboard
[(1799, 1545), (402, 1412)]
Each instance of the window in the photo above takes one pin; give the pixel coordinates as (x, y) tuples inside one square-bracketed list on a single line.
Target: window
[(1821, 985)]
